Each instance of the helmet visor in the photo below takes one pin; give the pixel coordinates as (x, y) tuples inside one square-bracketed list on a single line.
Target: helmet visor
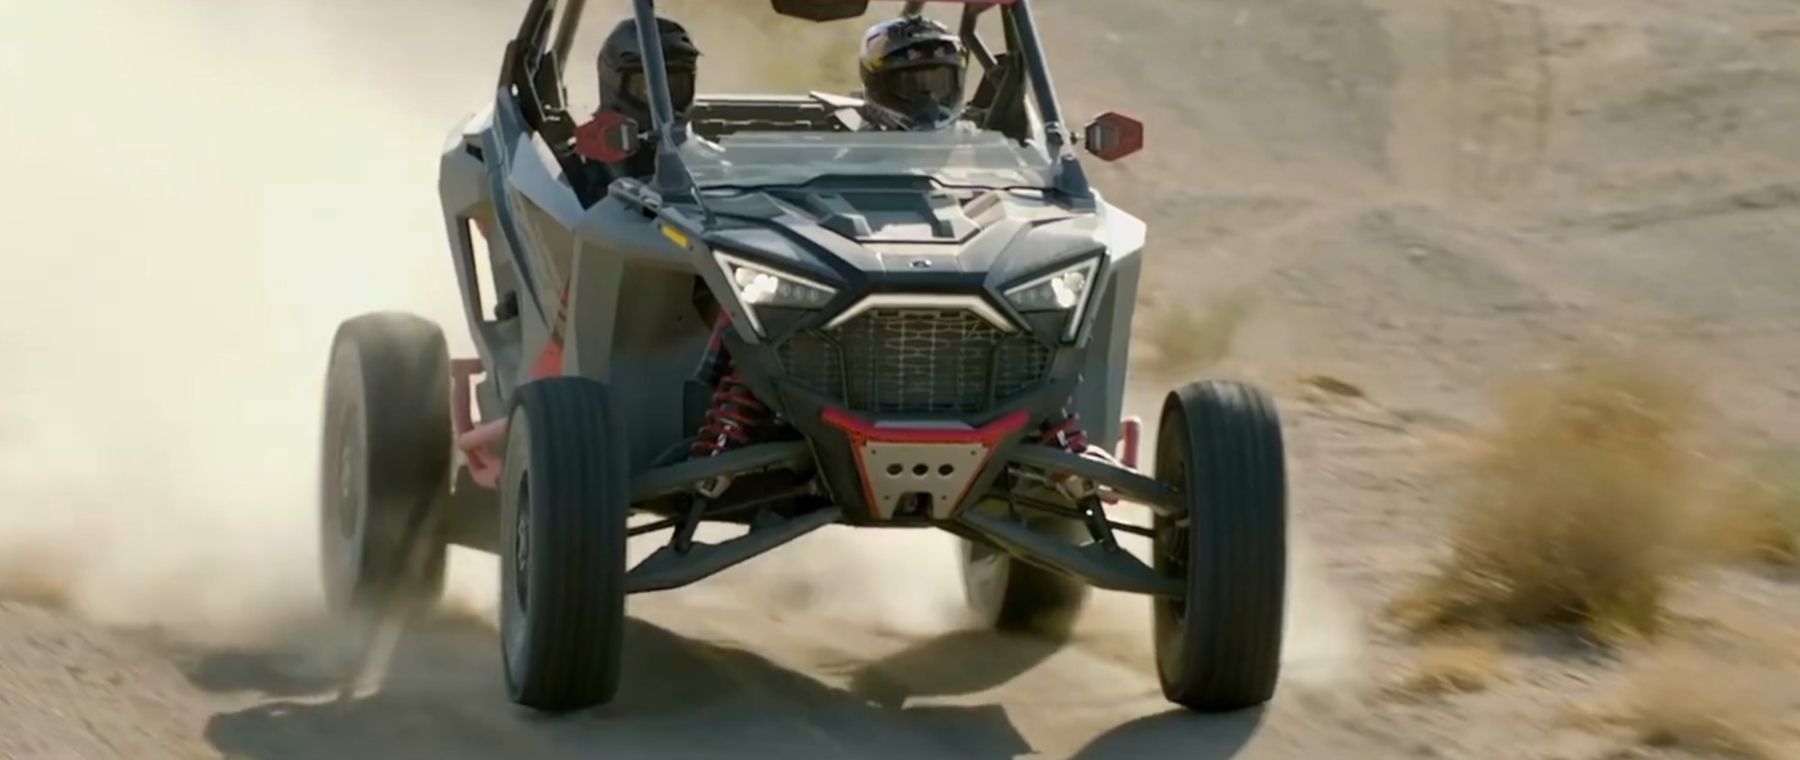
[(921, 89), (681, 87)]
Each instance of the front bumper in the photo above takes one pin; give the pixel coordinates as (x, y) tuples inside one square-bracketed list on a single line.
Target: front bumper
[(910, 412), (931, 471)]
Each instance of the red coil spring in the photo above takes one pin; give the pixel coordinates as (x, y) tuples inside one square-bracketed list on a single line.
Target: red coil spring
[(1067, 434), (735, 416)]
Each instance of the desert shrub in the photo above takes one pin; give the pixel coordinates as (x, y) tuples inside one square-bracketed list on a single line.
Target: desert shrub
[(1575, 506), (1757, 518)]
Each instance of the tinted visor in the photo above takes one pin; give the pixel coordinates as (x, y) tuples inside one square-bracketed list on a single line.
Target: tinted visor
[(911, 90), (681, 87)]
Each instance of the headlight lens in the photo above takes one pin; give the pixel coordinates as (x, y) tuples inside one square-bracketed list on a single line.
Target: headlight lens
[(757, 286), (1065, 290)]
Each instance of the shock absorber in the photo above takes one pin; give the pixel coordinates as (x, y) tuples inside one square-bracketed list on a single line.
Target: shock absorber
[(1068, 436), (735, 416), (731, 420), (714, 362)]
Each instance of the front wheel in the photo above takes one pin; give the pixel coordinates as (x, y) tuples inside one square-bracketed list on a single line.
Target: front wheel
[(565, 503), (1219, 649)]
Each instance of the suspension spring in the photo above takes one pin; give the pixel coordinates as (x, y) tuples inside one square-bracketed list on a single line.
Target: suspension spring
[(734, 417), (736, 414), (714, 362)]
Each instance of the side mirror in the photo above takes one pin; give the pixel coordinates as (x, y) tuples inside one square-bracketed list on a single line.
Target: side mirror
[(1112, 136), (609, 137)]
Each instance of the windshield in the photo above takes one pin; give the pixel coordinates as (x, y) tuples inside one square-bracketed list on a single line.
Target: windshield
[(951, 157)]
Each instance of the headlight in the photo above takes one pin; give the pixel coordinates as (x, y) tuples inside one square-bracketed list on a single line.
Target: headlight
[(757, 286), (1064, 291)]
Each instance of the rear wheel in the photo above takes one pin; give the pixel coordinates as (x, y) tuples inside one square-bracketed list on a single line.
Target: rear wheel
[(565, 501), (1219, 649), (1011, 595), (385, 465)]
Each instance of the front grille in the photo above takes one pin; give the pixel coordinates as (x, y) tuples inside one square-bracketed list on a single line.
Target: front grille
[(916, 361)]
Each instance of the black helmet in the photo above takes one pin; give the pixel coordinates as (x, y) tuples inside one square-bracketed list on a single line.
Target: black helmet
[(623, 87), (912, 67)]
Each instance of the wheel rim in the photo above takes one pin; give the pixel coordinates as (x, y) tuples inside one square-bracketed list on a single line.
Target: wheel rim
[(521, 585), (349, 504), (515, 580), (1172, 535), (349, 489)]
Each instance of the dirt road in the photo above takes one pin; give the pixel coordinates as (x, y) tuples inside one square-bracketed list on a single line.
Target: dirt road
[(1417, 197)]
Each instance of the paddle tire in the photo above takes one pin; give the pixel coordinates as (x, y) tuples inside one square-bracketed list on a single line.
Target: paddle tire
[(385, 465), (1220, 445), (1009, 594), (565, 500)]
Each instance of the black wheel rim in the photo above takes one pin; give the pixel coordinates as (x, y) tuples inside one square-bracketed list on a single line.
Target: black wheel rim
[(343, 497), (515, 570), (521, 586), (344, 509), (349, 494), (1172, 534)]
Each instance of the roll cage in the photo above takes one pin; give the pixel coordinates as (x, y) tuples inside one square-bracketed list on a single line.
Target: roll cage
[(531, 76)]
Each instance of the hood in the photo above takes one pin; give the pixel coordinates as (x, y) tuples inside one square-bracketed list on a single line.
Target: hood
[(911, 233)]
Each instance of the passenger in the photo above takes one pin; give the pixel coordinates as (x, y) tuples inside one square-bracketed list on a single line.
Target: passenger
[(913, 71)]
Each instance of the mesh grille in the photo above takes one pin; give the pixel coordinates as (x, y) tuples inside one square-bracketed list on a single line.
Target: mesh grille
[(916, 361)]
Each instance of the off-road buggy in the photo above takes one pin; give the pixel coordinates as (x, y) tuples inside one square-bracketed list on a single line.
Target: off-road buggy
[(792, 324)]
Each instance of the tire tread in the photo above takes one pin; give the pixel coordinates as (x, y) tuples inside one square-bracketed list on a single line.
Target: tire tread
[(1232, 638), (580, 478)]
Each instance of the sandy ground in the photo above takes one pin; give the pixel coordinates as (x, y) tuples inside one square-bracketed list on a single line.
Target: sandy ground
[(1418, 197)]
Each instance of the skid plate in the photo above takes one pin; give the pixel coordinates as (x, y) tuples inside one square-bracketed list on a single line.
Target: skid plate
[(941, 471), (941, 461)]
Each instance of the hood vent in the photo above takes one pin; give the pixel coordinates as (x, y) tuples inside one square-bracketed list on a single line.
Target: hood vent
[(894, 217)]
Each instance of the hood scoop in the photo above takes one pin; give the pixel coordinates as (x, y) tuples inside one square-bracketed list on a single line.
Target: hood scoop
[(895, 217)]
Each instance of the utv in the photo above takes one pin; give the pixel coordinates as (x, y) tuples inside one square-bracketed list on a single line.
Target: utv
[(791, 324)]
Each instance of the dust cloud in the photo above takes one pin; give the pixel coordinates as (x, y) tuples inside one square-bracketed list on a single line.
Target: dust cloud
[(193, 198)]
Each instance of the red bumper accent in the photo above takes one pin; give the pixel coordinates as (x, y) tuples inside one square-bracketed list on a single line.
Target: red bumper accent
[(862, 432)]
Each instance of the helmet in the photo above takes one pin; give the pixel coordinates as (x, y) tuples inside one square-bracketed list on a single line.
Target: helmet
[(913, 68), (624, 88)]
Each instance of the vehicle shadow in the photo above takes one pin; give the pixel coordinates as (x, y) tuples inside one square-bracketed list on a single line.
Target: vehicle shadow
[(954, 664), (1176, 735), (975, 661), (683, 697)]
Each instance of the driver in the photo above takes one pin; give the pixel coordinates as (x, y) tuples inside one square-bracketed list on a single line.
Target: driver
[(912, 75), (625, 89)]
